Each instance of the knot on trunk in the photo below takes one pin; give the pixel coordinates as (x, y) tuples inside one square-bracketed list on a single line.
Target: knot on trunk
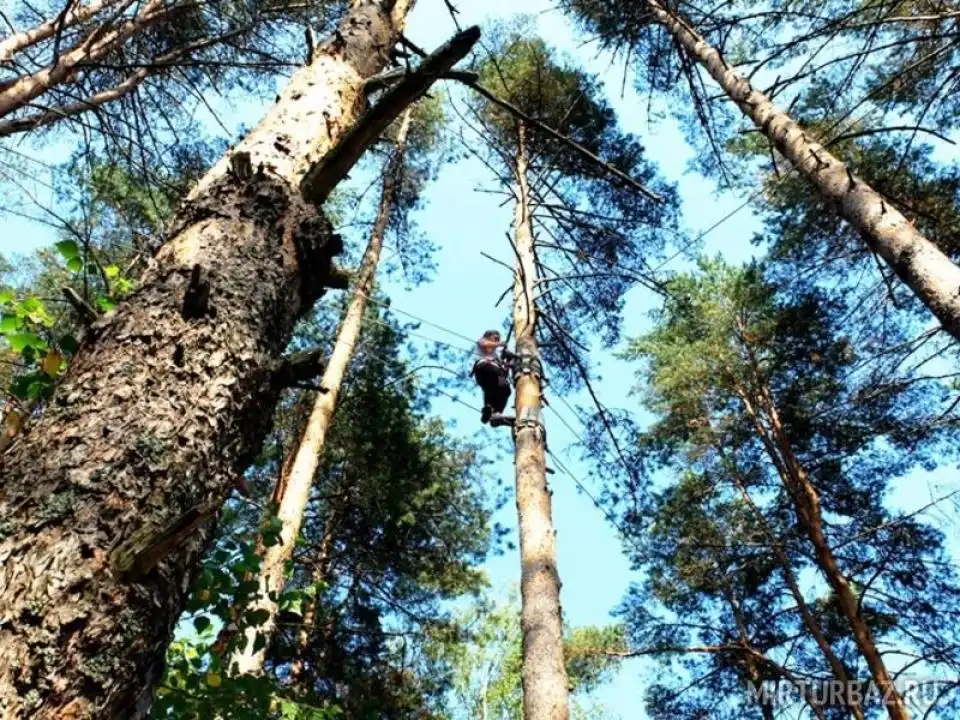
[(196, 300), (316, 245)]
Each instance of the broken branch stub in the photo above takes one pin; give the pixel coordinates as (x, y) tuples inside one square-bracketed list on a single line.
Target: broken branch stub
[(324, 176)]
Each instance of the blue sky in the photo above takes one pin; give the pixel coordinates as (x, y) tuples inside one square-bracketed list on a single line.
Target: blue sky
[(593, 569), (464, 223)]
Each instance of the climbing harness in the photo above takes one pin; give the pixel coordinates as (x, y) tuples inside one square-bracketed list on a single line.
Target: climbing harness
[(527, 364)]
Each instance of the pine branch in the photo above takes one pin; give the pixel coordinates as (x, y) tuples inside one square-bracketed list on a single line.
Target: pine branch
[(556, 135), (325, 175), (85, 309)]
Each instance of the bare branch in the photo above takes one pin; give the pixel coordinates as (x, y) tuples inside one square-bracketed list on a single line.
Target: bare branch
[(573, 145), (323, 176)]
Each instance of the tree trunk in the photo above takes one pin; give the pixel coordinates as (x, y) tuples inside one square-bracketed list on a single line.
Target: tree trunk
[(310, 607), (916, 261), (105, 501), (810, 621), (752, 657), (806, 502), (544, 671), (300, 479)]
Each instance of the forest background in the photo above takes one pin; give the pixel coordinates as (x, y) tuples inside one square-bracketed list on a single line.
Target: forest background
[(461, 292)]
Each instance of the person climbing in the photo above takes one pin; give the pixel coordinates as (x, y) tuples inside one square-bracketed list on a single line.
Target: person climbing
[(491, 371)]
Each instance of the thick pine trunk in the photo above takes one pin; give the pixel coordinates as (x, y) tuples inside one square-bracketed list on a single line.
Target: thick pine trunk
[(299, 480), (806, 502), (544, 671), (105, 501), (916, 261)]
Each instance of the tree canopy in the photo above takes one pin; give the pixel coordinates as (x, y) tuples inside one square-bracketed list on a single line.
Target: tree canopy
[(244, 470)]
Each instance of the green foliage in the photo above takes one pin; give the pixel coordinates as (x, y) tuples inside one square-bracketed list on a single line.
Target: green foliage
[(34, 353), (872, 81), (156, 78), (97, 259), (487, 661), (730, 357), (593, 656), (196, 684), (194, 689), (802, 232), (427, 148), (603, 234), (484, 648), (397, 524)]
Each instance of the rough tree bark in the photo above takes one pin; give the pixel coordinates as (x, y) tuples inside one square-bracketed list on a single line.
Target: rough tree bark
[(105, 501), (299, 479), (916, 261), (544, 671)]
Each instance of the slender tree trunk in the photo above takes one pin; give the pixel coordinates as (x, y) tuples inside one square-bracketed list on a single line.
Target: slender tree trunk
[(752, 656), (806, 502), (106, 500), (310, 608), (544, 671), (44, 31), (810, 621), (812, 520), (916, 261), (297, 488)]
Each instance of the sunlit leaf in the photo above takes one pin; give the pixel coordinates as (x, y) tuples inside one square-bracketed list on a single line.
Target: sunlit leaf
[(68, 249), (9, 323), (75, 264), (34, 310), (29, 306), (214, 679), (21, 341)]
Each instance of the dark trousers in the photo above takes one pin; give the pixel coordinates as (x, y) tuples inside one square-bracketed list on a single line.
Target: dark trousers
[(492, 379)]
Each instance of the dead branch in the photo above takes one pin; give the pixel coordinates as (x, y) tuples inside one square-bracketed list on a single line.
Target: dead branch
[(323, 176), (560, 137)]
